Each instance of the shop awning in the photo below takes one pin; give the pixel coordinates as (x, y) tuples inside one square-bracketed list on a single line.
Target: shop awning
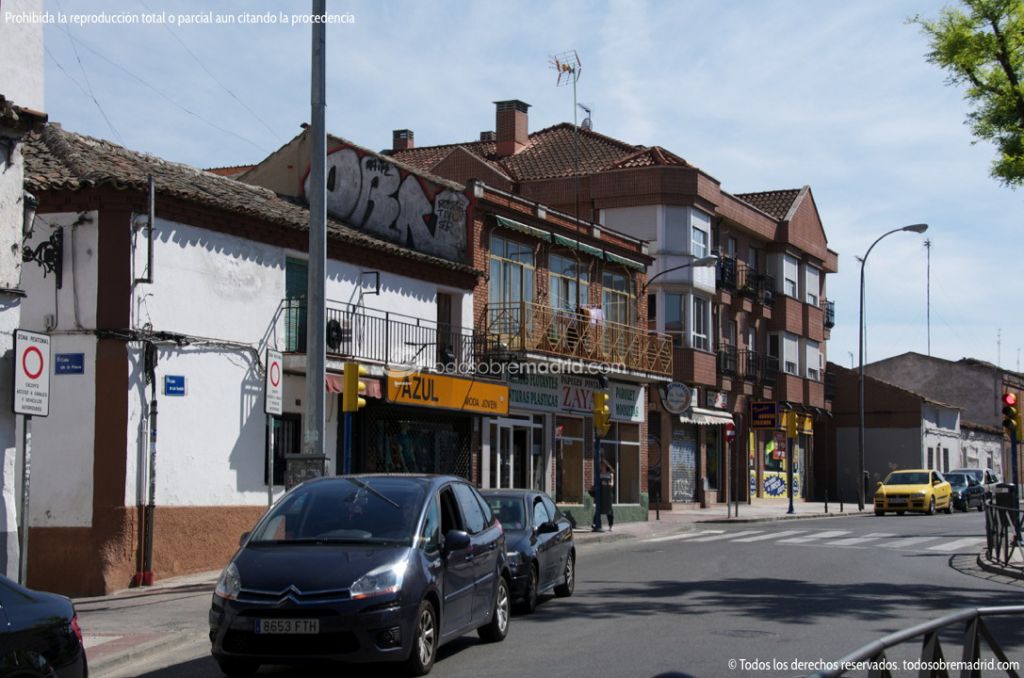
[(577, 245), (523, 228), (336, 384), (702, 417)]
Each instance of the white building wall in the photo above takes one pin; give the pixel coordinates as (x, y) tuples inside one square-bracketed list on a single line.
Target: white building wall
[(21, 53)]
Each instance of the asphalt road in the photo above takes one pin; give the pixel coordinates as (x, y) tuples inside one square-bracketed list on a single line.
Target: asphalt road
[(761, 595)]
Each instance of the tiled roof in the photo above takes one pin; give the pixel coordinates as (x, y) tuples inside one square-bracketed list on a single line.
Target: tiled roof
[(551, 154), (650, 157), (775, 203), (19, 118), (56, 159), (230, 171)]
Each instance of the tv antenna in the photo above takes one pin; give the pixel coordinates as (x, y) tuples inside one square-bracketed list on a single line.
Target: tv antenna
[(568, 66), (587, 123)]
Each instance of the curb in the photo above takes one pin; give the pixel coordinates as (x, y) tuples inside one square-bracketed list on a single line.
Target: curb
[(795, 516), (102, 665), (983, 563)]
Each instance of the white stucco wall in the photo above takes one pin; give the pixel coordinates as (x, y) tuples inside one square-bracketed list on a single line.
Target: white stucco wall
[(21, 54)]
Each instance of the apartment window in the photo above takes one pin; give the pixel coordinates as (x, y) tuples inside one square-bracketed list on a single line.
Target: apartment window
[(652, 308), (700, 323), (773, 345), (566, 274), (699, 247), (730, 247), (812, 285), (791, 354), (931, 457), (511, 283), (729, 332), (812, 360), (751, 338), (790, 273), (945, 459), (752, 257), (617, 298), (675, 318)]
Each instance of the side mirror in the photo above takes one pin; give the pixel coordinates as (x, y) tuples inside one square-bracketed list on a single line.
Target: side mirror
[(455, 540), (547, 527), (243, 538), (878, 484), (936, 482)]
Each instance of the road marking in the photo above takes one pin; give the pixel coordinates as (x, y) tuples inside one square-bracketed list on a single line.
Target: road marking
[(771, 535), (958, 544), (684, 535), (870, 536), (827, 534), (904, 541), (729, 535)]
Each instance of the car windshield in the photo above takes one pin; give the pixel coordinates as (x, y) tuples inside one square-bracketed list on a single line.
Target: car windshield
[(957, 479), (510, 511), (348, 509), (908, 478)]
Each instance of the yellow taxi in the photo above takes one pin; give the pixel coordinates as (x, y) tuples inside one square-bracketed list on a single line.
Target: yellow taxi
[(913, 490)]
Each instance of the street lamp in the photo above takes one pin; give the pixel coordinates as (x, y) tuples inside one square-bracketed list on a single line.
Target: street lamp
[(710, 260), (914, 228)]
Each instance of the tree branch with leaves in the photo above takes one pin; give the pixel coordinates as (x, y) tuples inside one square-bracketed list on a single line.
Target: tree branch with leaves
[(981, 47)]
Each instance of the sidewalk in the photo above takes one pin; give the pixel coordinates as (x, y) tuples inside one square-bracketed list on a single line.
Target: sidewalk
[(126, 627)]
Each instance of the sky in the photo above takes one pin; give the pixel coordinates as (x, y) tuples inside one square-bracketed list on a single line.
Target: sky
[(761, 95)]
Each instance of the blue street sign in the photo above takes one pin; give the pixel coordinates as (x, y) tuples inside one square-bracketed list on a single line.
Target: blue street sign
[(174, 385), (69, 363)]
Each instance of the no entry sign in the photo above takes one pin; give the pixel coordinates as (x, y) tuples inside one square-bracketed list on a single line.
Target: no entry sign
[(275, 389), (31, 373)]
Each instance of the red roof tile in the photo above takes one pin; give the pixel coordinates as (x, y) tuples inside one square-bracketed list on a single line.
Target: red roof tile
[(774, 203)]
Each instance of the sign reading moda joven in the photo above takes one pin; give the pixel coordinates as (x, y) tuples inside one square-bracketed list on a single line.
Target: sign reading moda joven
[(433, 390), (373, 194)]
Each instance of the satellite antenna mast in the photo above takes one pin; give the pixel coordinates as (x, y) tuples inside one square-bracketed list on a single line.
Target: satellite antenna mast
[(928, 293), (568, 66)]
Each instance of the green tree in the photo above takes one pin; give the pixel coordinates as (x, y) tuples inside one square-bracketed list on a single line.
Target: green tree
[(981, 47)]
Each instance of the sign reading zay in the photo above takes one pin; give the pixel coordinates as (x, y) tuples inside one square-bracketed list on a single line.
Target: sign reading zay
[(275, 389), (31, 374)]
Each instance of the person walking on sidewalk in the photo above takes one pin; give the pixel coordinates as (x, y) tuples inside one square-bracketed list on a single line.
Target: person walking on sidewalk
[(608, 491)]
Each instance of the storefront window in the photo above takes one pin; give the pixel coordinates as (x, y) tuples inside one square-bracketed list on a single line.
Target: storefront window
[(401, 440), (569, 460), (713, 454), (621, 450)]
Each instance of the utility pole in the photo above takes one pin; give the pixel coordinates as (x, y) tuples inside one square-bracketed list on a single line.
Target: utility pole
[(928, 292), (316, 361)]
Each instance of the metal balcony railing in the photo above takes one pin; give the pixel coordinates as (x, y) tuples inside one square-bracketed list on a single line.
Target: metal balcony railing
[(757, 286), (727, 360), (726, 273), (829, 307), (387, 338), (529, 327), (750, 364)]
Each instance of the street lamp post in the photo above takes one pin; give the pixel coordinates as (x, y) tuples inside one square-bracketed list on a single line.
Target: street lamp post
[(861, 481), (710, 260)]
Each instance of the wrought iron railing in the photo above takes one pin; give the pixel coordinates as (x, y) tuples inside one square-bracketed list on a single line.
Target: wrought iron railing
[(388, 338), (750, 364), (757, 286), (872, 657), (1003, 526), (727, 360), (522, 327), (726, 273), (829, 307)]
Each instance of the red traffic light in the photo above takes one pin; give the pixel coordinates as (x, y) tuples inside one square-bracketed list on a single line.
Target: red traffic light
[(1009, 399)]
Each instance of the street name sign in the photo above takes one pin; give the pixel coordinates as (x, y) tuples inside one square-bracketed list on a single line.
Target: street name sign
[(174, 385), (69, 363), (31, 373)]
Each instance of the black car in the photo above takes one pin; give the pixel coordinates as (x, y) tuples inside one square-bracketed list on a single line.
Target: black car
[(39, 634), (541, 552), (967, 491), (986, 477), (363, 568)]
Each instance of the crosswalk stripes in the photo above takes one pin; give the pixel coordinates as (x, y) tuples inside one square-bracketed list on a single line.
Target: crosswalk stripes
[(814, 537), (958, 544), (827, 538)]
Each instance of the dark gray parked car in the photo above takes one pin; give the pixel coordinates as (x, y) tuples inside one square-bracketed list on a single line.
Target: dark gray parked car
[(363, 568), (541, 551)]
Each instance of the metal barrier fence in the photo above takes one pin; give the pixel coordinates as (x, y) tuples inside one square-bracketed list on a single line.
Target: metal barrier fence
[(1003, 533), (872, 657)]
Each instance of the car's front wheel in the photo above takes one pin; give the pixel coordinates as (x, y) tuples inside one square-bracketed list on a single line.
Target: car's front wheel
[(424, 642), (931, 506), (495, 630), (949, 507), (530, 597), (879, 512), (237, 668)]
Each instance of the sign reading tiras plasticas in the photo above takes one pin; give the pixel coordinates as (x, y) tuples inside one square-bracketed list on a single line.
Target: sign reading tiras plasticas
[(31, 373), (450, 393)]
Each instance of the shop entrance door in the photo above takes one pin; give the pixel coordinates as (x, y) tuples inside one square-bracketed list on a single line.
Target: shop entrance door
[(511, 461)]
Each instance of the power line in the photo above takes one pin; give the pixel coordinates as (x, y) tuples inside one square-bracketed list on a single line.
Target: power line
[(88, 84), (214, 77), (57, 64), (167, 97)]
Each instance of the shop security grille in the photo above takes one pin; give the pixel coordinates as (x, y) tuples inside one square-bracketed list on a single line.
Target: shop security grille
[(397, 440)]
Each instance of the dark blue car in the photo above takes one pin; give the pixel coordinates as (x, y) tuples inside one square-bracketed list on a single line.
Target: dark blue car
[(39, 634), (541, 551), (363, 568)]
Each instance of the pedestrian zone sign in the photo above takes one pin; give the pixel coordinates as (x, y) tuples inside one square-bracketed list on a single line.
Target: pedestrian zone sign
[(275, 389), (31, 373)]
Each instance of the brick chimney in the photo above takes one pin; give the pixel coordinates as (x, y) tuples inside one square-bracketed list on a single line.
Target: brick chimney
[(402, 140), (512, 127)]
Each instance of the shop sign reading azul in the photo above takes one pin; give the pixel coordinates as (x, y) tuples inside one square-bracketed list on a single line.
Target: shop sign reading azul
[(431, 390)]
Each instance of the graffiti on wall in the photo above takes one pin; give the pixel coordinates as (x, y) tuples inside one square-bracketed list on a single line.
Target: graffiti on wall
[(374, 195)]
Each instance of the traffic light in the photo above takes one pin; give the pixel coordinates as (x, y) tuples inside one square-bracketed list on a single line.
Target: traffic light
[(351, 402), (602, 415), (1011, 414)]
